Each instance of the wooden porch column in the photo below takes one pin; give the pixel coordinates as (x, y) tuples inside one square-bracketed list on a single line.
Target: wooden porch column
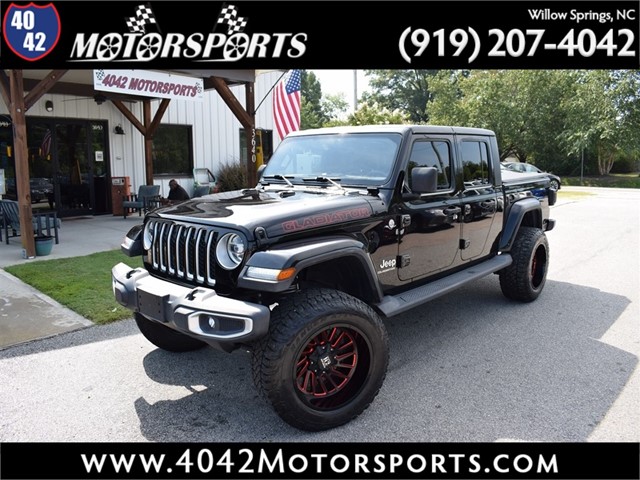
[(23, 189), (148, 141), (251, 135)]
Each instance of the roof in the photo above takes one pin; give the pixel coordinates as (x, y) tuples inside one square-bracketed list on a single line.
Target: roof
[(401, 129)]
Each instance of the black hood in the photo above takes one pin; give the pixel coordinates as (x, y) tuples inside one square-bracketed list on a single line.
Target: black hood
[(281, 212)]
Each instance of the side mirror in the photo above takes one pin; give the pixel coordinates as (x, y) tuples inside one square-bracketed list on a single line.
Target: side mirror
[(424, 179)]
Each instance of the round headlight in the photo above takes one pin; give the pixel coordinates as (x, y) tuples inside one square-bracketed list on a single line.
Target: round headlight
[(147, 236), (230, 251)]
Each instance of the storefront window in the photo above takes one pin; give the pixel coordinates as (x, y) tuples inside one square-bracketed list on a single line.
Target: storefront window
[(173, 150)]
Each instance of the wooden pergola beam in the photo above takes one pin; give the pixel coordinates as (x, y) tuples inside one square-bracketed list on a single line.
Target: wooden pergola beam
[(23, 189), (245, 117), (162, 108), (5, 88), (42, 87), (130, 116), (233, 103)]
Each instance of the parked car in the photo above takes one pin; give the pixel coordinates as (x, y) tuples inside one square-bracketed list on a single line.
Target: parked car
[(41, 188), (347, 226), (556, 182)]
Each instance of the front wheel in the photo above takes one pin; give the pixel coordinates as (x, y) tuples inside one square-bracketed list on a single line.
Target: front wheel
[(166, 338), (524, 279), (324, 360)]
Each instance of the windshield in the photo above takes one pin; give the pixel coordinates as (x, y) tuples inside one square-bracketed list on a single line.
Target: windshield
[(351, 159)]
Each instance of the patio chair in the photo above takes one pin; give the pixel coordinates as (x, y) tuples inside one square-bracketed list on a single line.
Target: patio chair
[(46, 223), (148, 197), (201, 190)]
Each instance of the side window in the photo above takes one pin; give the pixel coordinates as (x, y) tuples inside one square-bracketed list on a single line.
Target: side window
[(429, 153), (475, 163)]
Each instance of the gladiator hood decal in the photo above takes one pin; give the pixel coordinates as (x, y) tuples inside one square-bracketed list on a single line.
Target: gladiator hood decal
[(277, 214)]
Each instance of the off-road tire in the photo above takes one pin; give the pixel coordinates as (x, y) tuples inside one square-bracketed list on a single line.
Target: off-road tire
[(309, 385), (525, 278), (165, 337)]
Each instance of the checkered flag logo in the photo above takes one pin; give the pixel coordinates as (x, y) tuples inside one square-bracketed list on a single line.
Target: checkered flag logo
[(229, 16), (144, 16)]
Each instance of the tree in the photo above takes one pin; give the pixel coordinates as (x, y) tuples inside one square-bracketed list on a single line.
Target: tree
[(312, 114), (523, 107), (604, 114), (334, 106), (372, 115), (407, 91)]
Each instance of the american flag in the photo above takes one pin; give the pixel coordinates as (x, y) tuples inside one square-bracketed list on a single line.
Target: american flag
[(45, 146), (144, 16), (286, 103)]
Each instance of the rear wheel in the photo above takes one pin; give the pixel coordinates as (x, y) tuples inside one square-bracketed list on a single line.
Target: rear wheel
[(166, 338), (525, 278), (324, 360)]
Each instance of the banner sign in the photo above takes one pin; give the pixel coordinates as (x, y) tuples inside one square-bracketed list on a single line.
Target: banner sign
[(261, 35), (320, 460), (149, 84)]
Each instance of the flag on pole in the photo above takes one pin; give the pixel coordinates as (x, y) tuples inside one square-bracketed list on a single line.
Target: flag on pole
[(286, 103)]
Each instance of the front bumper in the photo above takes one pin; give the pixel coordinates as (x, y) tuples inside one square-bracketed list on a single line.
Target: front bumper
[(198, 312)]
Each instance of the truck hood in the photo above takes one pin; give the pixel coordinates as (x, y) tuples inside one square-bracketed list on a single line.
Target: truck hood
[(278, 212)]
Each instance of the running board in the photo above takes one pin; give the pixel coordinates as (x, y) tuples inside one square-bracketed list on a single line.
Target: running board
[(394, 304)]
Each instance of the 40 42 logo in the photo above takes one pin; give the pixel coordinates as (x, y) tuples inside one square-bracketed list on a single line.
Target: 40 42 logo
[(31, 31)]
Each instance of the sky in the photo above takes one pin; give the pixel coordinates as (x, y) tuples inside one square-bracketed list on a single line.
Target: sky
[(335, 82)]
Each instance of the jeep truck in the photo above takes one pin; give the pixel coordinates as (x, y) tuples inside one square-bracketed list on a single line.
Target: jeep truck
[(346, 228)]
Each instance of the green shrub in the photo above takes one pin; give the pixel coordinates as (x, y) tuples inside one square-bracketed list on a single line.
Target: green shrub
[(232, 176)]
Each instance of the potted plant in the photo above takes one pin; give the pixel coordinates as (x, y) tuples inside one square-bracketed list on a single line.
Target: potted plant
[(44, 244)]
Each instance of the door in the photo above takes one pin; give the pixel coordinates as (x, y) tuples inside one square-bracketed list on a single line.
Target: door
[(81, 165), (99, 158), (431, 230), (479, 198)]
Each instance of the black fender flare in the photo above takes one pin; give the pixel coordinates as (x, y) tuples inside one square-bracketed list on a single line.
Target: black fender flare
[(514, 219), (303, 254)]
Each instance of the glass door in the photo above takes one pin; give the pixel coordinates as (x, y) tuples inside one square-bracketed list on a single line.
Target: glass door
[(73, 177), (99, 163), (82, 168)]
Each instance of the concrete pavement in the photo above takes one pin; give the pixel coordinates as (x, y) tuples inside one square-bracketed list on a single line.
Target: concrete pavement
[(27, 314)]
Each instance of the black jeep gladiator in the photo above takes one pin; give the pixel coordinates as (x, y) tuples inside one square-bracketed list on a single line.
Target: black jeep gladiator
[(346, 227)]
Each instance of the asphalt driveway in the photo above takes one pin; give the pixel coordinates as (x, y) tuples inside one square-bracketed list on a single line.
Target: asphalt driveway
[(470, 366)]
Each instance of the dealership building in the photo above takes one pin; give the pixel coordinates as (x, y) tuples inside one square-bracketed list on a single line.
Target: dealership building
[(92, 134)]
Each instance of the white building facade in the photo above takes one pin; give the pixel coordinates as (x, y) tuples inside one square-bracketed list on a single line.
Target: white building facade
[(78, 145)]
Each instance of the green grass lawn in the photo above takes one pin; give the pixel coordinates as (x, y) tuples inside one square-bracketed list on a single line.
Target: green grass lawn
[(82, 284), (614, 180)]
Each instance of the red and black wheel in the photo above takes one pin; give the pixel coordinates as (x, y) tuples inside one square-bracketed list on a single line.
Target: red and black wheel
[(524, 279), (324, 361)]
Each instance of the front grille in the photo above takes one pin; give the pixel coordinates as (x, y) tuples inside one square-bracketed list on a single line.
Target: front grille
[(185, 252)]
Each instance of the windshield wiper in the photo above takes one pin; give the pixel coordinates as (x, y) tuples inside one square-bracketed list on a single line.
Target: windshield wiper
[(332, 181), (277, 176)]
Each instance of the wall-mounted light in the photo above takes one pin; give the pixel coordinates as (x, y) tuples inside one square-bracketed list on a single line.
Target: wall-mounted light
[(99, 98), (118, 130), (48, 105)]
